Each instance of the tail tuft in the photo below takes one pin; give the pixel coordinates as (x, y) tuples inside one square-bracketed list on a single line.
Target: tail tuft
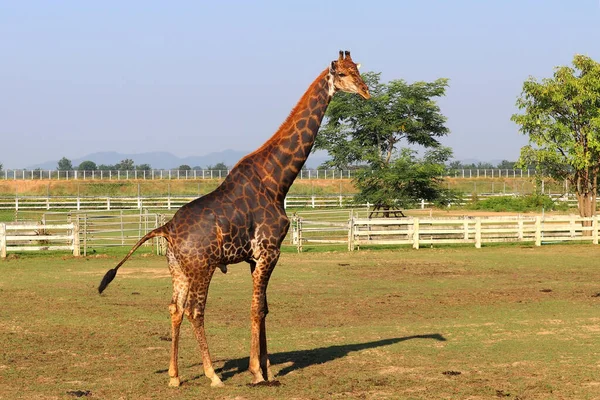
[(110, 275)]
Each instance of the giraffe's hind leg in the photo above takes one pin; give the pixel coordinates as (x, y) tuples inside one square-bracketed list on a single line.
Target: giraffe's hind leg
[(195, 313), (180, 293)]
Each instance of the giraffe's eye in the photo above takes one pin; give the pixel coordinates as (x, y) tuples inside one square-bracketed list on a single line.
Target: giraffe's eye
[(341, 75)]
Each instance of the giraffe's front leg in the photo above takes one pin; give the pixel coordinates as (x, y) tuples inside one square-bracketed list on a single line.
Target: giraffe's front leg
[(259, 361)]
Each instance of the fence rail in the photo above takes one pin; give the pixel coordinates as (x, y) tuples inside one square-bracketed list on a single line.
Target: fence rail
[(23, 174), (435, 231), (174, 202)]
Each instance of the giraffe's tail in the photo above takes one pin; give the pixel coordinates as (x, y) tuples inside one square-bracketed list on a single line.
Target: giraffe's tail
[(110, 275)]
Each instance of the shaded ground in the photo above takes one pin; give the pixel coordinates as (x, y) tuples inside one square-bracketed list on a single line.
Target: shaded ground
[(452, 323)]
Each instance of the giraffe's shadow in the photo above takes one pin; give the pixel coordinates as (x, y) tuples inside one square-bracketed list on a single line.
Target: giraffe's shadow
[(304, 358)]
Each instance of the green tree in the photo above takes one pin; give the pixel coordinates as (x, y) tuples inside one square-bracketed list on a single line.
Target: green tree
[(505, 164), (405, 180), (87, 166), (64, 164), (369, 133), (561, 115), (184, 167), (220, 166), (1, 166), (143, 167), (125, 165), (104, 167)]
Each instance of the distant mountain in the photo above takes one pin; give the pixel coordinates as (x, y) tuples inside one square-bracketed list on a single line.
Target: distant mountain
[(165, 160)]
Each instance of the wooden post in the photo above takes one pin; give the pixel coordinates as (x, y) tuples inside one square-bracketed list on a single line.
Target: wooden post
[(572, 225), (75, 231), (466, 229), (478, 233), (351, 232), (595, 229), (139, 199), (520, 229), (85, 235), (2, 240), (538, 231), (299, 225), (168, 196), (415, 233), (122, 228)]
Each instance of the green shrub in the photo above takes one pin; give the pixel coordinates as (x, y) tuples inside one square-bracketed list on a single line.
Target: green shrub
[(533, 202)]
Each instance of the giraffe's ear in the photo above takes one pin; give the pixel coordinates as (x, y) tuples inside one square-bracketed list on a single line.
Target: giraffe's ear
[(358, 66), (333, 66)]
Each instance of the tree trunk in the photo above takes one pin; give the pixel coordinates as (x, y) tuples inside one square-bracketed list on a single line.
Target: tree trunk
[(587, 208)]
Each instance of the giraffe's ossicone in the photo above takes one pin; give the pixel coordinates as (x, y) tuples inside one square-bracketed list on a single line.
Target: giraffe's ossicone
[(244, 220)]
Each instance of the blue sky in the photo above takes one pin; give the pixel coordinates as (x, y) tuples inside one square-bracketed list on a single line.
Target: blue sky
[(194, 77)]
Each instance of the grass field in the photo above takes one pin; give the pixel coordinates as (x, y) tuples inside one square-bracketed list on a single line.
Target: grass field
[(202, 186), (450, 323)]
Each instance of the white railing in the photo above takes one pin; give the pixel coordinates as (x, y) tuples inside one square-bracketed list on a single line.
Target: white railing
[(18, 237), (417, 232), (174, 202), (432, 231), (23, 174)]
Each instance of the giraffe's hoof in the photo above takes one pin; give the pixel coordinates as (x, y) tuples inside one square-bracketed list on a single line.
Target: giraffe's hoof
[(217, 383), (174, 382)]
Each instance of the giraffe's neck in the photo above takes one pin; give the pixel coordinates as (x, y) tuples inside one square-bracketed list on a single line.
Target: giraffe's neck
[(281, 158)]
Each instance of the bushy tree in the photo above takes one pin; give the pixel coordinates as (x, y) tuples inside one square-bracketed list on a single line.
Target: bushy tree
[(405, 180), (220, 166), (370, 133), (64, 164), (561, 116), (87, 166), (184, 167), (143, 167), (125, 165), (505, 164)]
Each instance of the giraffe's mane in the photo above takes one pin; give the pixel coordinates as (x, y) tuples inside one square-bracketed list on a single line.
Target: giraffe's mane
[(289, 120)]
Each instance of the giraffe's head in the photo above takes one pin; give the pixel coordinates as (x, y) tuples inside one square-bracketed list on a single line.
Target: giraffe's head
[(346, 76)]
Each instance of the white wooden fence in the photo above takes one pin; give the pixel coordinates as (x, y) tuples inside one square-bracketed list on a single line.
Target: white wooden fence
[(95, 230), (109, 203), (18, 237), (417, 232)]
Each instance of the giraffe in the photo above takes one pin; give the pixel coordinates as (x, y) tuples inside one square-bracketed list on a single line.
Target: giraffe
[(244, 220)]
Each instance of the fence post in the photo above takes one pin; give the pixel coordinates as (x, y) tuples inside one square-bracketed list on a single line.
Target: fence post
[(572, 225), (76, 249), (139, 199), (122, 228), (595, 230), (2, 240), (415, 233), (313, 201), (538, 230), (520, 229), (299, 227), (478, 233), (351, 232), (466, 229)]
